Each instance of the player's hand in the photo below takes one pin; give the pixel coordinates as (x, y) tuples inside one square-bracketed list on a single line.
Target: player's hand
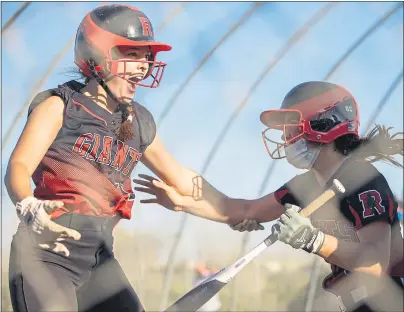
[(164, 194), (247, 225), (297, 231), (47, 234)]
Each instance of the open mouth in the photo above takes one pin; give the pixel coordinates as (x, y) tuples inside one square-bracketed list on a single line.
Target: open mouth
[(132, 82), (136, 78), (131, 86)]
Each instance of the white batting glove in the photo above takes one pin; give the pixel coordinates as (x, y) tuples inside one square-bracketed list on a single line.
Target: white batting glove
[(35, 214), (247, 225), (298, 232)]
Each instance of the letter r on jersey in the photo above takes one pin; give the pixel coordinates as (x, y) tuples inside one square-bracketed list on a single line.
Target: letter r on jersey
[(371, 201)]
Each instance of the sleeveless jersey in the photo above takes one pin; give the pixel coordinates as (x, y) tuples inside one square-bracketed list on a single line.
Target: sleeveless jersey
[(87, 166)]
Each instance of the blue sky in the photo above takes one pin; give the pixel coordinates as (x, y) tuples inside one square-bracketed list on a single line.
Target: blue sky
[(203, 108)]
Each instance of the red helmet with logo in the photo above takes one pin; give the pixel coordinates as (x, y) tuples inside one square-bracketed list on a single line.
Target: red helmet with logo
[(316, 111), (116, 25)]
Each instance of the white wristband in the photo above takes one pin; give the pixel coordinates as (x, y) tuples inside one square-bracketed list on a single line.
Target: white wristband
[(318, 243)]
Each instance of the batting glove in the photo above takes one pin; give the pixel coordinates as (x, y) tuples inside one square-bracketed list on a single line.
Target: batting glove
[(247, 225), (298, 232), (35, 214)]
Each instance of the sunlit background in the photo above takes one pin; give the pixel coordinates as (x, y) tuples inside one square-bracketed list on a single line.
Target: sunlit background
[(229, 62)]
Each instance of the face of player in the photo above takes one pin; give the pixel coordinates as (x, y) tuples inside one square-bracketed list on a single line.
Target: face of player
[(131, 68)]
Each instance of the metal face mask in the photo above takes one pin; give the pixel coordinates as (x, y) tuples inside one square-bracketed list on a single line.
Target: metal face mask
[(287, 126)]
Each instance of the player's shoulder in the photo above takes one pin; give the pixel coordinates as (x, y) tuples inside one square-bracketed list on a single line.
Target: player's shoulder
[(48, 103), (142, 111), (301, 184), (147, 124), (368, 196), (359, 176), (296, 189), (302, 179), (55, 96), (53, 102)]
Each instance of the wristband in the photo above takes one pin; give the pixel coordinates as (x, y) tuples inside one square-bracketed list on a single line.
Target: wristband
[(316, 242)]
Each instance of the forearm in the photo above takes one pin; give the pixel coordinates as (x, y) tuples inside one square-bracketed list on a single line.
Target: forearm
[(231, 210), (17, 182), (191, 183), (203, 200), (200, 198), (359, 257), (223, 209)]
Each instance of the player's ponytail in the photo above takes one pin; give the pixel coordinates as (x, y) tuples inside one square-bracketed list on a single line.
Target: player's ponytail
[(125, 131), (378, 144)]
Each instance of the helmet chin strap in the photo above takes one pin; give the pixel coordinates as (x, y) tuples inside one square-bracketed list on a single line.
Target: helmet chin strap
[(102, 84)]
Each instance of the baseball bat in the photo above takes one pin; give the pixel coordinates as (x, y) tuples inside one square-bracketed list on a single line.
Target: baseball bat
[(198, 296)]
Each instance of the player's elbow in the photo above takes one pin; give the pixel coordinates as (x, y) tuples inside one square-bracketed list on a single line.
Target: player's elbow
[(375, 269), (10, 182), (12, 166), (373, 261), (6, 179), (16, 171), (382, 266)]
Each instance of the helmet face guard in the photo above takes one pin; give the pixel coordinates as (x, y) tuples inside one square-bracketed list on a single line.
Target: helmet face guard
[(286, 126), (152, 78)]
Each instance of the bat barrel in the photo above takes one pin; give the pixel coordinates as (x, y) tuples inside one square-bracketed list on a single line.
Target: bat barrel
[(197, 297)]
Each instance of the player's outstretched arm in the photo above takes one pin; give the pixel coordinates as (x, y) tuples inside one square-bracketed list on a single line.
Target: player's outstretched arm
[(168, 197), (198, 197), (228, 210)]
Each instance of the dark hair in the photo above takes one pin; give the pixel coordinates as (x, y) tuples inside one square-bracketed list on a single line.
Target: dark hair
[(76, 74), (378, 144), (124, 132)]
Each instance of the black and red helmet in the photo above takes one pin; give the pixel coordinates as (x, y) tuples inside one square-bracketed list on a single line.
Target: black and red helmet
[(317, 111), (116, 25)]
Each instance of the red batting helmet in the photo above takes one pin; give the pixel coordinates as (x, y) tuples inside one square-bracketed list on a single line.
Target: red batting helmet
[(116, 25), (317, 111)]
